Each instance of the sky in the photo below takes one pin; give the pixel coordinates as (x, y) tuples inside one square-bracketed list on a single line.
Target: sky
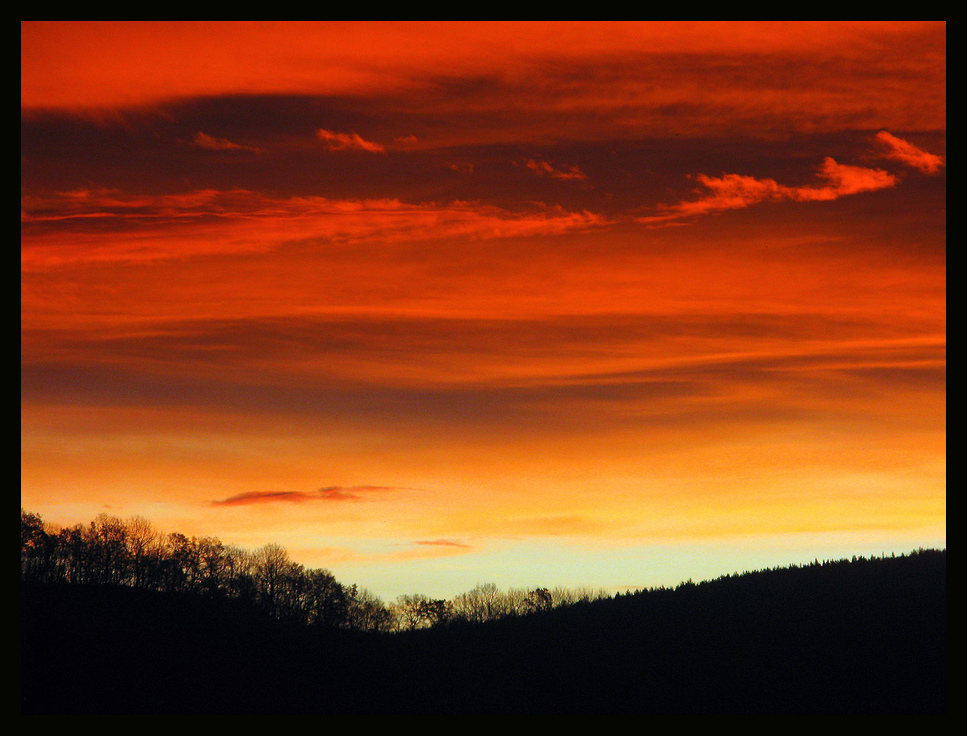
[(434, 304)]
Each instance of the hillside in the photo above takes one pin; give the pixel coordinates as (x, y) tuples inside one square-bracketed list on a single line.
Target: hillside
[(859, 637)]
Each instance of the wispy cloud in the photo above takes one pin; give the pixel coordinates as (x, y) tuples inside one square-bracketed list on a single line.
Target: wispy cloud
[(843, 180), (203, 140), (606, 78), (544, 168), (329, 493), (902, 150), (342, 141), (443, 543), (107, 225), (736, 191)]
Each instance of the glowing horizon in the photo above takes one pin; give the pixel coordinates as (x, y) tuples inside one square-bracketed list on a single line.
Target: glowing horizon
[(430, 305)]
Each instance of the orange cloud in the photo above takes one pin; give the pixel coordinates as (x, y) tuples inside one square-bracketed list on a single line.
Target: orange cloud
[(909, 154), (843, 180), (609, 78), (543, 168), (203, 140), (104, 225), (342, 141), (735, 191)]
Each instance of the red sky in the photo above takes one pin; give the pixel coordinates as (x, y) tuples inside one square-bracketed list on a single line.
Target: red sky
[(537, 303)]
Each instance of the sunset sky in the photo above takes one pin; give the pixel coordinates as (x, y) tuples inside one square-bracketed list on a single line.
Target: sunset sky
[(608, 304)]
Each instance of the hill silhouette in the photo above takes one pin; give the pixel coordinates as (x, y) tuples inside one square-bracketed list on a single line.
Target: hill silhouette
[(861, 636)]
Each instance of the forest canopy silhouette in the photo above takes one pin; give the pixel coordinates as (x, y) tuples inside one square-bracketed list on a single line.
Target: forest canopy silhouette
[(119, 618), (112, 551)]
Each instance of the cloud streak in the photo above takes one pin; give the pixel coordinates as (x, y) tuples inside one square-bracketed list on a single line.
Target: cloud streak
[(104, 225), (567, 173), (736, 191), (904, 151), (343, 141), (442, 543), (327, 494), (203, 140), (613, 77)]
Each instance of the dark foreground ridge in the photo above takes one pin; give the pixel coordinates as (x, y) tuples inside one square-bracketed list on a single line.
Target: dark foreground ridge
[(866, 636)]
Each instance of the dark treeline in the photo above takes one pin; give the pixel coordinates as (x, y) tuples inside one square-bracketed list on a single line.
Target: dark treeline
[(112, 551), (106, 631)]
